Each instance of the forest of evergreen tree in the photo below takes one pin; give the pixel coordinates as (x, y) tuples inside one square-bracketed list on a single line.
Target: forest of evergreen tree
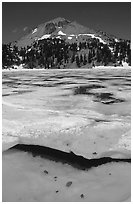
[(57, 53)]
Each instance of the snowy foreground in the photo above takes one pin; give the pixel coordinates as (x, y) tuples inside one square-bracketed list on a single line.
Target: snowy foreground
[(24, 180), (84, 111)]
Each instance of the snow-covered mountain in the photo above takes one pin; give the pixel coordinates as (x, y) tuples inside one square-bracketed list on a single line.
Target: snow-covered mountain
[(60, 42), (63, 29)]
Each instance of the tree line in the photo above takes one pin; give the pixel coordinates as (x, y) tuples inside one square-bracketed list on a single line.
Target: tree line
[(58, 53)]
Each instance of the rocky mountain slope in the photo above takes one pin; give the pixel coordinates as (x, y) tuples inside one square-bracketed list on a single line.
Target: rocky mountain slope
[(63, 29)]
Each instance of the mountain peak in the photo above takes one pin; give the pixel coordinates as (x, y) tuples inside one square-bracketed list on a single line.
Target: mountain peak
[(62, 28), (57, 22), (58, 19)]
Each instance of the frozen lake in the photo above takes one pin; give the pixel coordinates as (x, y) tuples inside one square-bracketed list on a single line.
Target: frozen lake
[(83, 111), (87, 112)]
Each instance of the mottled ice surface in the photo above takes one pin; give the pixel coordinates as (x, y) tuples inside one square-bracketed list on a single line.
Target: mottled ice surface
[(84, 111)]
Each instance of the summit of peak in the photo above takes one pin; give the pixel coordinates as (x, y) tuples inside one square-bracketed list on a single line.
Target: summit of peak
[(58, 19)]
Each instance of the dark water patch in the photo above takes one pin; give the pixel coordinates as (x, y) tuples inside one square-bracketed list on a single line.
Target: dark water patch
[(6, 94), (115, 84), (26, 83), (65, 95), (127, 84), (12, 84), (81, 77), (48, 80), (104, 96), (128, 79), (65, 83), (121, 84), (95, 86), (20, 92), (107, 98), (65, 76), (59, 77), (26, 80), (108, 78), (114, 100), (54, 84), (81, 90), (102, 78), (94, 81), (101, 120), (43, 85), (8, 82), (86, 89), (16, 93), (24, 91), (19, 83), (59, 156)]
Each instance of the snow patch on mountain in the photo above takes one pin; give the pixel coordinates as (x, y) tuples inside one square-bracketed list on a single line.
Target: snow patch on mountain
[(29, 50), (93, 36), (61, 33), (44, 37), (116, 40), (69, 37), (34, 31), (72, 35), (86, 34), (111, 49), (58, 37)]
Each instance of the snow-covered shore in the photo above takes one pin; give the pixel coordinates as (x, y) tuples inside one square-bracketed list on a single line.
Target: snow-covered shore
[(20, 68)]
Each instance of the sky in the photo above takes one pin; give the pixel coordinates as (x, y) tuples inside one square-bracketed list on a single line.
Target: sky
[(111, 17)]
